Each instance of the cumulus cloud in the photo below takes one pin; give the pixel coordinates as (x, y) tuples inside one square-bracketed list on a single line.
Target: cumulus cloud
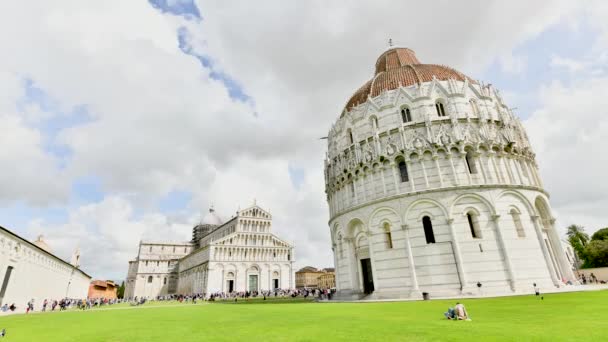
[(569, 133), (108, 233)]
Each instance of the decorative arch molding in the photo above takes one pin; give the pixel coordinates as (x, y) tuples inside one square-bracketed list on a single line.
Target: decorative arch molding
[(378, 210), (353, 224), (523, 198), (424, 200), (541, 204), (436, 85), (491, 207), (471, 209), (513, 208), (361, 241), (425, 213)]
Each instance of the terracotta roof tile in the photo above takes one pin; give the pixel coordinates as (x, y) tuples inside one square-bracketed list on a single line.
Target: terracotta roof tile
[(400, 67)]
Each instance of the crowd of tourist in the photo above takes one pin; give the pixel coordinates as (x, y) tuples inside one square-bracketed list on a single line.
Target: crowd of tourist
[(245, 295), (62, 304), (591, 279)]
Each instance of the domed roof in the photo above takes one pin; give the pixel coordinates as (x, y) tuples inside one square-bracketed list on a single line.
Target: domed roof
[(399, 67), (42, 244), (212, 218)]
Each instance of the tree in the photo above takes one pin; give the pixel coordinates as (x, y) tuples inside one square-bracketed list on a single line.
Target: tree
[(121, 290), (601, 234), (596, 254), (578, 239)]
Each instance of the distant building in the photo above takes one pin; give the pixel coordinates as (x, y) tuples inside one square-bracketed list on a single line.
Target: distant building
[(311, 278), (241, 254), (103, 289), (29, 270), (327, 280)]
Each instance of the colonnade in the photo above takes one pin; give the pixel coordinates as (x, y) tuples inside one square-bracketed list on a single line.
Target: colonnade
[(235, 253)]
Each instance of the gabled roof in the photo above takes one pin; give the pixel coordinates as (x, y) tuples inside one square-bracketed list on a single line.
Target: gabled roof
[(254, 211)]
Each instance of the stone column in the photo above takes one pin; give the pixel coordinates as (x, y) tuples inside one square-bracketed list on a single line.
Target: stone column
[(463, 156), (436, 157), (548, 261), (479, 161), (456, 182), (426, 179), (352, 264), (519, 176), (355, 198), (505, 253), (363, 178), (395, 177), (373, 183), (563, 264), (458, 258), (408, 164), (505, 163), (415, 290), (336, 265), (383, 180), (499, 178)]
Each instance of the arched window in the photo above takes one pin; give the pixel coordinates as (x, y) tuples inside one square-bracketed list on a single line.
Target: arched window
[(352, 189), (149, 279), (474, 108), (474, 225), (403, 172), (165, 281), (150, 248), (387, 234), (519, 228), (406, 115), (471, 166), (351, 140), (428, 229), (440, 109)]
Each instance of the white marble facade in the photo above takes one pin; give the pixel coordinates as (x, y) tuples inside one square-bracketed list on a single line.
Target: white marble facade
[(241, 254), (31, 271), (430, 199)]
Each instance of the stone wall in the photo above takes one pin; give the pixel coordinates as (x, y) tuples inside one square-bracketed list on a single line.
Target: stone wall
[(36, 274)]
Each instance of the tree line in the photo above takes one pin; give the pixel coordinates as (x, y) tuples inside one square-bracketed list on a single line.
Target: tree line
[(592, 252)]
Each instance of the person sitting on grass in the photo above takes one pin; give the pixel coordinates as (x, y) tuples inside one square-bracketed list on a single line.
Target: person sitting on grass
[(461, 312), (450, 314)]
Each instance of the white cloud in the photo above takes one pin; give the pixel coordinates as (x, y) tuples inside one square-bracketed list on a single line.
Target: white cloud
[(569, 136), (108, 233)]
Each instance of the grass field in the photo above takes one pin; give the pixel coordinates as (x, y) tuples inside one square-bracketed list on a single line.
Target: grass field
[(578, 317)]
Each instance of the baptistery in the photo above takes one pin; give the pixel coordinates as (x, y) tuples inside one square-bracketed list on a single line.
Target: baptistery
[(433, 188)]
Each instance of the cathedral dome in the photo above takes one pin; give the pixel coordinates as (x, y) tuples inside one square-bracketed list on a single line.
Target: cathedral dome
[(399, 67), (212, 218), (42, 244)]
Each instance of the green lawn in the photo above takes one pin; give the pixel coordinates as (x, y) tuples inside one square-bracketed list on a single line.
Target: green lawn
[(573, 316)]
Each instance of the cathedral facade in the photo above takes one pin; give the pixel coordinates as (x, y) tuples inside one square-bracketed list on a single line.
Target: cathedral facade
[(433, 187), (239, 255)]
